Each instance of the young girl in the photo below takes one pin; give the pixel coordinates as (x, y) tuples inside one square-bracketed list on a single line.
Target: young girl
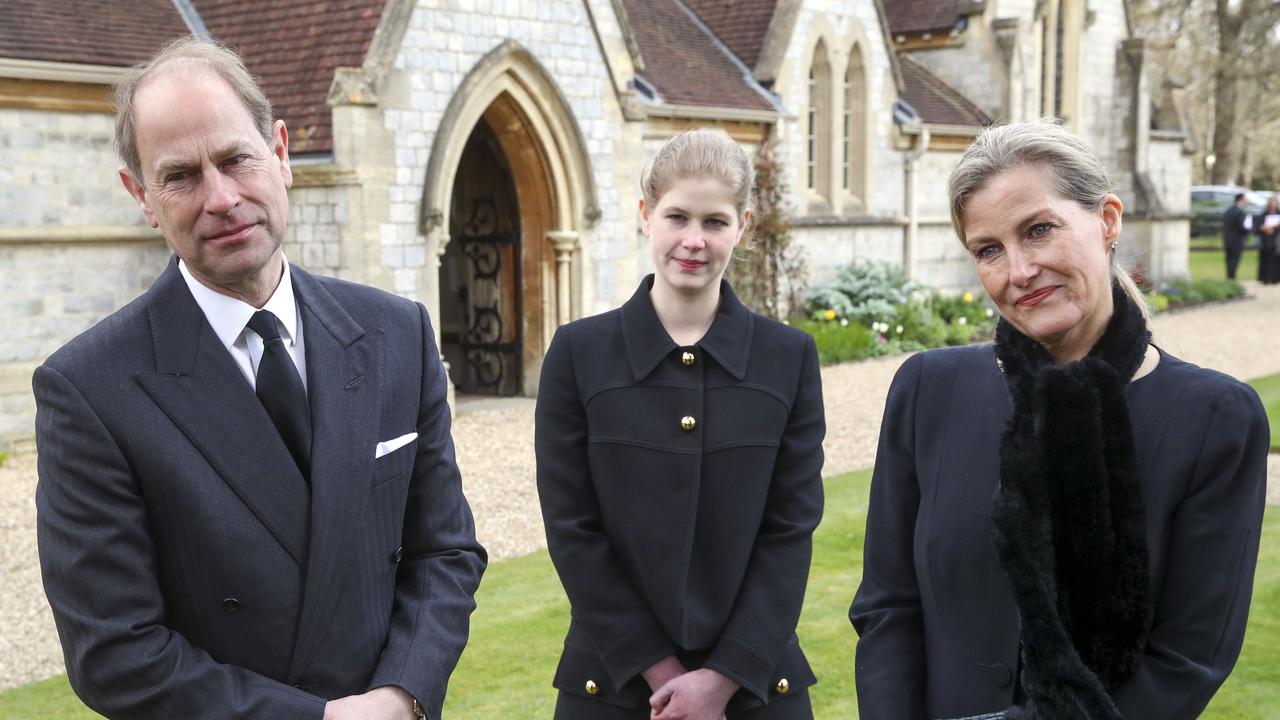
[(679, 447)]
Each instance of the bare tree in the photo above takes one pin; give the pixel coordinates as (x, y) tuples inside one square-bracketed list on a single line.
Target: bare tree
[(1231, 51)]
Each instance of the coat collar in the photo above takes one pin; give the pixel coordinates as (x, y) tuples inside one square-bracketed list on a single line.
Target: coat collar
[(728, 340)]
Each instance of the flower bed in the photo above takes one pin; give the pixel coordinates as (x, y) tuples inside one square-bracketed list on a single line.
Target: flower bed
[(1188, 293), (871, 309)]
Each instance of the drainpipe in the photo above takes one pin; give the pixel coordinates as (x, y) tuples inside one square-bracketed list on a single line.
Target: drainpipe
[(919, 147), (909, 124)]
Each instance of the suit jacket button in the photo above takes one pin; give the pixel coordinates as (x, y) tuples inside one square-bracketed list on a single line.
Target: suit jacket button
[(783, 686), (592, 688), (397, 555), (687, 358), (688, 423), (231, 605)]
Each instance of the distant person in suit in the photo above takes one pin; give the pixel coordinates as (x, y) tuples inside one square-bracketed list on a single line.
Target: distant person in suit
[(248, 503), (679, 445), (1064, 524), (1267, 224), (1234, 234)]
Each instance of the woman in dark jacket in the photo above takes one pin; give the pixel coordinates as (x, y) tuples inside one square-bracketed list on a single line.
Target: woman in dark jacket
[(679, 449), (1268, 262), (1063, 524)]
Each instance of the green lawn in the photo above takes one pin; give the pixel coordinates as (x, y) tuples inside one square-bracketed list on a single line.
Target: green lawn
[(1269, 390), (506, 671), (1213, 264), (1209, 242)]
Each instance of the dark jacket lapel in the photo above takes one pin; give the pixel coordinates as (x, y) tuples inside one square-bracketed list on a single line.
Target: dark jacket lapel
[(343, 374), (197, 384), (728, 340)]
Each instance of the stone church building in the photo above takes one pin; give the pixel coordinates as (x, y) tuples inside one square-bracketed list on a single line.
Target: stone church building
[(484, 156)]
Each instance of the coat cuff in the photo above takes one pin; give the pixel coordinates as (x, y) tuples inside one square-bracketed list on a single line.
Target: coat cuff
[(636, 653), (741, 664), (432, 702)]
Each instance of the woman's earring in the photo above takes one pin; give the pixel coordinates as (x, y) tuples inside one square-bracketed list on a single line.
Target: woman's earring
[(1114, 243)]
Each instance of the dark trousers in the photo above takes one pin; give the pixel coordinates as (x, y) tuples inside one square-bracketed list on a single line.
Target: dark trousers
[(1234, 251), (576, 707)]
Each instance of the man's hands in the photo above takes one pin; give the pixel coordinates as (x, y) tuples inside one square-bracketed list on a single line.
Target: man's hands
[(382, 703), (681, 695)]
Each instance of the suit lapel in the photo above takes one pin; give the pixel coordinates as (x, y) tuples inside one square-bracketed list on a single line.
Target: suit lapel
[(197, 384), (343, 371)]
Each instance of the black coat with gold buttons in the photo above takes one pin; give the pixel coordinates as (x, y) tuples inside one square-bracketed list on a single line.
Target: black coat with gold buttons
[(680, 488)]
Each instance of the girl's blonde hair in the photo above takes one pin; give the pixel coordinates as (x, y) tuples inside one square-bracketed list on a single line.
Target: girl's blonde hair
[(1077, 175), (699, 154)]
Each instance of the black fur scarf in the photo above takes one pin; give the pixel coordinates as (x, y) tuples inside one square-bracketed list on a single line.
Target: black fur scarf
[(1069, 521)]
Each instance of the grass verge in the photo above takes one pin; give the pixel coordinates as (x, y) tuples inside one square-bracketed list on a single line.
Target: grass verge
[(1268, 389), (516, 634), (1213, 264)]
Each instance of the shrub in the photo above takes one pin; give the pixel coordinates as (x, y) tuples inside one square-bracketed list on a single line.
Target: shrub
[(1193, 292), (767, 270), (921, 327), (865, 292), (840, 343)]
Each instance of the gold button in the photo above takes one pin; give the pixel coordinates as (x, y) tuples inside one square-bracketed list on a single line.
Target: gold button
[(783, 686), (687, 358), (592, 688), (688, 423)]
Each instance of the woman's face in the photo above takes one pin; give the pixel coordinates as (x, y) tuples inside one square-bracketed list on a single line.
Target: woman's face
[(1273, 205), (1043, 259), (692, 230)]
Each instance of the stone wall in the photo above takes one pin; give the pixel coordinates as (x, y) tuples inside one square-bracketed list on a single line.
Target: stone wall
[(317, 216), (53, 292), (58, 169), (442, 44), (73, 245)]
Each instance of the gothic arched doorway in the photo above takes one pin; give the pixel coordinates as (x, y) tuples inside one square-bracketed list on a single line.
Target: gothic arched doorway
[(507, 145), (480, 273)]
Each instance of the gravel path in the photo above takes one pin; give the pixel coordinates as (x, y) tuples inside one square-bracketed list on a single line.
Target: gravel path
[(495, 453)]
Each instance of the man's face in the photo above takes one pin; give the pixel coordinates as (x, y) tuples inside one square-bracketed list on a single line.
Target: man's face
[(210, 182)]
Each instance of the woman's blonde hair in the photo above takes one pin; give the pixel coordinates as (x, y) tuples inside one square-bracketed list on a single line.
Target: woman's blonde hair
[(1077, 175), (699, 154)]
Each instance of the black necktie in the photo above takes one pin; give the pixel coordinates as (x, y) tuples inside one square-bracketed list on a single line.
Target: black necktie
[(281, 392)]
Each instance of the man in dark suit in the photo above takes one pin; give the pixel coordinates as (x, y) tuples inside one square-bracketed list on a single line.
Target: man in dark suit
[(248, 503), (1234, 233)]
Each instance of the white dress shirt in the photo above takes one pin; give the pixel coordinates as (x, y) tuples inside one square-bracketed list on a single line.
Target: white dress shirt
[(229, 318)]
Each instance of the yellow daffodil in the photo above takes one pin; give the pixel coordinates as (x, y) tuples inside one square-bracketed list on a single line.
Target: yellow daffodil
[(830, 314)]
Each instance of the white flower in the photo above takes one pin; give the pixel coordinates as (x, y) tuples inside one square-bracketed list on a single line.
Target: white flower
[(990, 312), (962, 320), (898, 330), (844, 322)]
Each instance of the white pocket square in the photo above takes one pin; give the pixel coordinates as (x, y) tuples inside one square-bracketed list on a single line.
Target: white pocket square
[(387, 446)]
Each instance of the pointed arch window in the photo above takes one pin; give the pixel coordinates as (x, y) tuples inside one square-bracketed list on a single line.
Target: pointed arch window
[(818, 131), (854, 126), (846, 129)]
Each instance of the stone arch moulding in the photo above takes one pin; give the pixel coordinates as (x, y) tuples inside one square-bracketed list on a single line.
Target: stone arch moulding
[(509, 69), (555, 189)]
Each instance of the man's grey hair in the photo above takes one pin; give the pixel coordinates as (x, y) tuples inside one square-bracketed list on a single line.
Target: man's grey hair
[(186, 54)]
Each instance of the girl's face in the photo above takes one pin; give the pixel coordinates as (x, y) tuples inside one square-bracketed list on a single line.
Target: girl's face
[(692, 230)]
